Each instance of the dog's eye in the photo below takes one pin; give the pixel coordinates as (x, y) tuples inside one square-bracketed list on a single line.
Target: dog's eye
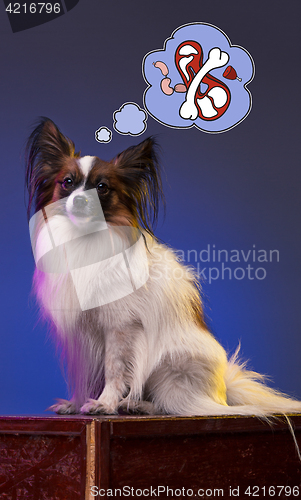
[(67, 183), (103, 188)]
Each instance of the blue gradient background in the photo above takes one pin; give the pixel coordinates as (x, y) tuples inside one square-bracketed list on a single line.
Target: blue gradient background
[(235, 190)]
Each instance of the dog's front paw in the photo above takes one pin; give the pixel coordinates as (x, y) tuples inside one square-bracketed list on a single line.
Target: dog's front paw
[(96, 407), (63, 407)]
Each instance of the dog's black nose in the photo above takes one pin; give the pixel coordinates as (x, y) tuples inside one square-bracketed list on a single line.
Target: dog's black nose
[(80, 202)]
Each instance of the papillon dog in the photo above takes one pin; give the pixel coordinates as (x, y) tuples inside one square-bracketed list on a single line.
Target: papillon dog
[(126, 313)]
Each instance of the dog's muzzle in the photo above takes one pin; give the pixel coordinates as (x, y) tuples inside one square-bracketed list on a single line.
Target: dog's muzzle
[(80, 202)]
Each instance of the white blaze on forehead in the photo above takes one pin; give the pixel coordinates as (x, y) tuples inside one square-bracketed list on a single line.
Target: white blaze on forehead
[(85, 164)]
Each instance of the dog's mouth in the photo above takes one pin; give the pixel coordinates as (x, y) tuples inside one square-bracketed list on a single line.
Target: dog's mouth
[(87, 222)]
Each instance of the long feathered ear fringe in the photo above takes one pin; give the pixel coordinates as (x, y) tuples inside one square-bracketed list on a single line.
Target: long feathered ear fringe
[(47, 148), (139, 171)]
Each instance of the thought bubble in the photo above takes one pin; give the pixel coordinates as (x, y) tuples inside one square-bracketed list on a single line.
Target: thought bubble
[(103, 134), (198, 79), (130, 119)]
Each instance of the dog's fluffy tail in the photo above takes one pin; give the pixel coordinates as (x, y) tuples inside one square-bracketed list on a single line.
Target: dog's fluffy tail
[(248, 390)]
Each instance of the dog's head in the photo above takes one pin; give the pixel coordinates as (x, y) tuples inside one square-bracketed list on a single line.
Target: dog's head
[(128, 187)]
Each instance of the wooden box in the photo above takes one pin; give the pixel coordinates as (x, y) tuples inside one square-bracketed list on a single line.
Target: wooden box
[(76, 457)]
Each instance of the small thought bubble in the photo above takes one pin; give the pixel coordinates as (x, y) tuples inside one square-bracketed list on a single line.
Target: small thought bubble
[(103, 134), (130, 119)]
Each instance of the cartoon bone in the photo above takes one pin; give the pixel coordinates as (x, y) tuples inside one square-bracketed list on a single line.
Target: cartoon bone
[(216, 59)]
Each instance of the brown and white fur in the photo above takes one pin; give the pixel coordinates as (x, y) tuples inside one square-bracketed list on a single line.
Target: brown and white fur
[(151, 350)]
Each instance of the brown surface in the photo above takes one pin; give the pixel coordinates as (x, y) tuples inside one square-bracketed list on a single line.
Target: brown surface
[(51, 457)]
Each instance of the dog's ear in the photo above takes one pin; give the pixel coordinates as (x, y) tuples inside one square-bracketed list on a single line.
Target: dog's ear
[(138, 170), (47, 149)]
